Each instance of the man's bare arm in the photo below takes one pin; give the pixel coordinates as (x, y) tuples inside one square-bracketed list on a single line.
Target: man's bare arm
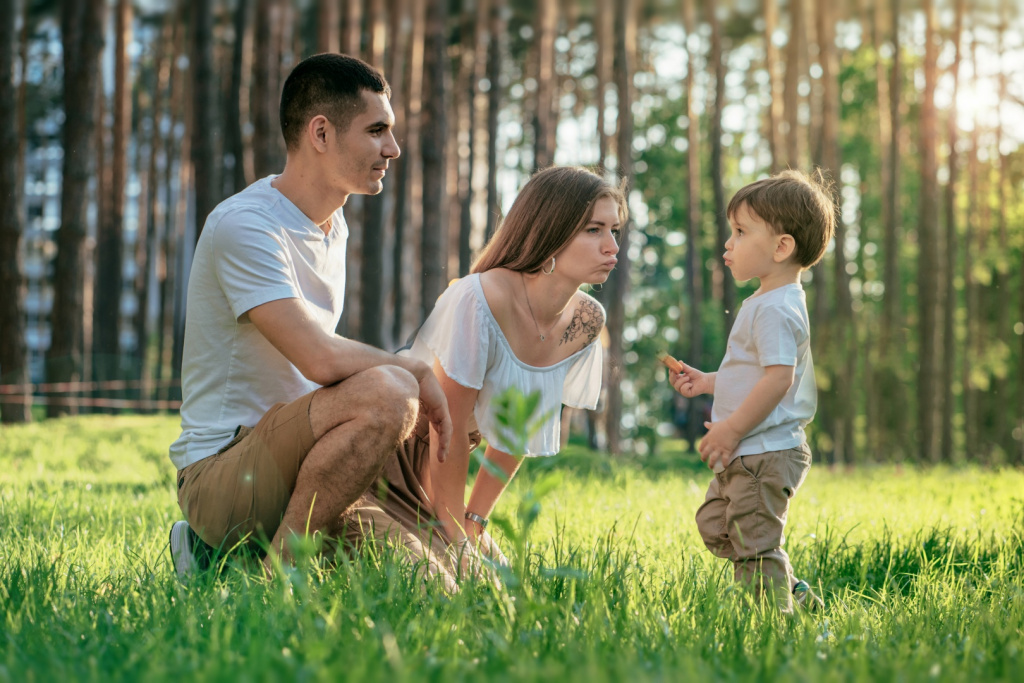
[(328, 358)]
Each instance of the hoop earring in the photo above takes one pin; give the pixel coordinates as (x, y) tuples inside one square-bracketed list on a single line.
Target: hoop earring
[(548, 272)]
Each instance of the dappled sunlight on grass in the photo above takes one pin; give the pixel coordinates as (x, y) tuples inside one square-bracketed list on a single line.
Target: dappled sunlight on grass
[(921, 572)]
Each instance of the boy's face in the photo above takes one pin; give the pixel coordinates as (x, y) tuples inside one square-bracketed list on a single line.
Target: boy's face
[(750, 251)]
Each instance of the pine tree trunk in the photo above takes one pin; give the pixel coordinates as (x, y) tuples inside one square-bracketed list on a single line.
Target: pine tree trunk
[(433, 141), (694, 233), (110, 236), (236, 106), (947, 350), (544, 120), (152, 211), (771, 63), (717, 62), (375, 238), (82, 37), (1000, 396), (14, 407), (927, 246), (878, 375), (495, 61), (205, 133), (618, 281), (843, 333), (796, 67), (972, 246), (328, 25), (406, 272)]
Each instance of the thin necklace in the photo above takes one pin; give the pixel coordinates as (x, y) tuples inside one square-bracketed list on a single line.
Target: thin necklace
[(530, 306)]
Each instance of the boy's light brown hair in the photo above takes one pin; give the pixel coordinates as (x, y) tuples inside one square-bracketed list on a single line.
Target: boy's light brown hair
[(793, 203)]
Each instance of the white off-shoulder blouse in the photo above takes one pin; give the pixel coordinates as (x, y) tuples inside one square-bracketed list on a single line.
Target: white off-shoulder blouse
[(463, 335)]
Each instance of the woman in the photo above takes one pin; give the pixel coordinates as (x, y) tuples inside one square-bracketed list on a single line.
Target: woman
[(519, 320)]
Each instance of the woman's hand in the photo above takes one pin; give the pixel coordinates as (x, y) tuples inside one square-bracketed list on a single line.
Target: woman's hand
[(489, 547)]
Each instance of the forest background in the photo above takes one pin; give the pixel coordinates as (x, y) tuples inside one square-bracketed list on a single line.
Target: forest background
[(122, 124)]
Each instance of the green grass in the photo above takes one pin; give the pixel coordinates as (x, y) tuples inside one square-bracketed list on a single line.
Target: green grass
[(922, 573)]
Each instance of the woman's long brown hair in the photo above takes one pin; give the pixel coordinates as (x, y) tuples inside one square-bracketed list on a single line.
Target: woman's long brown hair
[(554, 205)]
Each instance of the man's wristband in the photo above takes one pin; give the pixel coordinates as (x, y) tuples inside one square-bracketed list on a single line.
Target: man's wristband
[(473, 517)]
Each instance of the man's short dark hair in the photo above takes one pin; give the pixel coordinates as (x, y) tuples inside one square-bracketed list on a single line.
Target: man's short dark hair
[(330, 84)]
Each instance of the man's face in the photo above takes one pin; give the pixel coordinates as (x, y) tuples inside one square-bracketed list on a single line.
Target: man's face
[(358, 156)]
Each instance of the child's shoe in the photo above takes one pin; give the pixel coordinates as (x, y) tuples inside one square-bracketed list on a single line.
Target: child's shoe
[(805, 597)]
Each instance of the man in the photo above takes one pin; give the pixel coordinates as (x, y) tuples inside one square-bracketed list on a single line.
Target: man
[(285, 424)]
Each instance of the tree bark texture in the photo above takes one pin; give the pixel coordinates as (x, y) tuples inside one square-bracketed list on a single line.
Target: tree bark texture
[(927, 240), (14, 407), (82, 37), (618, 281), (433, 140)]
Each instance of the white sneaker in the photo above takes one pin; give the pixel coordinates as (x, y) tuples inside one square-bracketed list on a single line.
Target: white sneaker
[(182, 557)]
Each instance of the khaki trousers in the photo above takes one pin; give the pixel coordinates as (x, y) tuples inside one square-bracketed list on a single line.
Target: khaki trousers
[(744, 515)]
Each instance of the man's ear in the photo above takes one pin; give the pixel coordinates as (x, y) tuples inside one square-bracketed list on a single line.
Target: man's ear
[(785, 246), (317, 130)]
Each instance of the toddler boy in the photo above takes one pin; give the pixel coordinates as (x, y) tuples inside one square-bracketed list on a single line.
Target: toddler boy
[(764, 391)]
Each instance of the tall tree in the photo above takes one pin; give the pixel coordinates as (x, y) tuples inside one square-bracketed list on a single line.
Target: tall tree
[(110, 235), (151, 212), (841, 323), (473, 49), (433, 140), (266, 138), (605, 46), (717, 63), (205, 166), (545, 121), (82, 37), (771, 64), (891, 379), (375, 238), (694, 233), (495, 61), (1000, 394), (948, 349), (927, 247), (880, 351), (405, 273), (618, 281), (796, 66), (14, 407), (236, 106), (328, 25), (972, 246)]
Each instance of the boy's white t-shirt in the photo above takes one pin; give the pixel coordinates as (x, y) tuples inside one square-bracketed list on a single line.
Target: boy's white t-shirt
[(256, 247), (462, 334), (770, 329)]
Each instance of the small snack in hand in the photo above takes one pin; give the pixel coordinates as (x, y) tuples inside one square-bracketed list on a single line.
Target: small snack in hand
[(670, 362)]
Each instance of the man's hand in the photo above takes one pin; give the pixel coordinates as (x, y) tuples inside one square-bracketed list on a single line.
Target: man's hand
[(691, 382), (719, 444), (435, 409)]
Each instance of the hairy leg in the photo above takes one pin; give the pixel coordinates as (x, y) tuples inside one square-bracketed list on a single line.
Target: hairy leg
[(357, 424)]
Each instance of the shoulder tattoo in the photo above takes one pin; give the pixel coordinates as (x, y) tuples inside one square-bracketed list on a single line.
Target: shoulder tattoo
[(587, 321)]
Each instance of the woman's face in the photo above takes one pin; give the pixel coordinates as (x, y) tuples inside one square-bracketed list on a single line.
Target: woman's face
[(590, 255)]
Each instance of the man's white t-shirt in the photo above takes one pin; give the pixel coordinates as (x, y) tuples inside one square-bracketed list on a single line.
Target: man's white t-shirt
[(256, 247), (770, 329)]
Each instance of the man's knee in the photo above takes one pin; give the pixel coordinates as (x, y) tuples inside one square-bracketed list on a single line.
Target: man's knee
[(388, 400)]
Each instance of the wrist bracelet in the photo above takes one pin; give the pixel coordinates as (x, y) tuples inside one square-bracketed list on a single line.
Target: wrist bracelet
[(473, 517)]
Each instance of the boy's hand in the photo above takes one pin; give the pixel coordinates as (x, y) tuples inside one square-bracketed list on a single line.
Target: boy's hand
[(718, 444), (691, 382)]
